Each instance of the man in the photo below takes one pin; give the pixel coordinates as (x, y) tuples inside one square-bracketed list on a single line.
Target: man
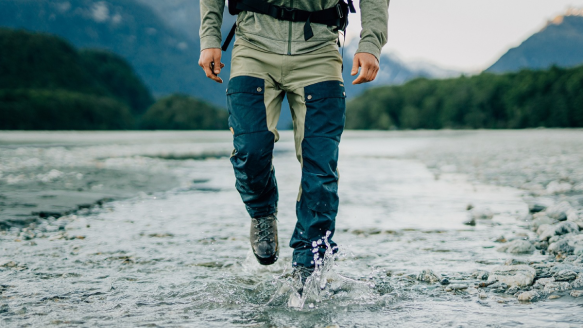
[(290, 47)]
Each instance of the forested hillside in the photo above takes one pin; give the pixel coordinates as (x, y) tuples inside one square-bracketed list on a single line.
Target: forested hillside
[(47, 84), (527, 99)]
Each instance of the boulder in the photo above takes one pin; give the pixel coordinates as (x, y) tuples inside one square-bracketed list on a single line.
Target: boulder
[(513, 275), (518, 246)]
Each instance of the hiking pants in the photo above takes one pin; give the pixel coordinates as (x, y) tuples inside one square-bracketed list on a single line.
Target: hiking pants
[(313, 84)]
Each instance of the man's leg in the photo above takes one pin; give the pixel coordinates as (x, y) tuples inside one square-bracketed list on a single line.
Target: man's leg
[(254, 107), (319, 114)]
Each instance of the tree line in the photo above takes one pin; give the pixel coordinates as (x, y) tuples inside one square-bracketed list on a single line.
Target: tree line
[(47, 84), (525, 99)]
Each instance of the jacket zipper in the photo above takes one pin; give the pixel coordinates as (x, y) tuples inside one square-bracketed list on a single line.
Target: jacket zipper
[(289, 37)]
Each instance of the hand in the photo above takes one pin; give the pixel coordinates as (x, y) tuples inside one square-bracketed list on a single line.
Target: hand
[(369, 67), (208, 61)]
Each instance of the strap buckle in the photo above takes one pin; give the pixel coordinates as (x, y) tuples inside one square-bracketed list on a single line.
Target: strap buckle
[(287, 13), (339, 11)]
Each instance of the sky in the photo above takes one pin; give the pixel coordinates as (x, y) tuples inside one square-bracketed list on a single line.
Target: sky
[(466, 35)]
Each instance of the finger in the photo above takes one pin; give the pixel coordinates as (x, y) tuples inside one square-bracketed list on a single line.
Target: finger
[(362, 76), (374, 76), (217, 61), (370, 74), (355, 65), (211, 75)]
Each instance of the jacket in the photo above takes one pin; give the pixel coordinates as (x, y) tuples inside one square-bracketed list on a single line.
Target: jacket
[(285, 37)]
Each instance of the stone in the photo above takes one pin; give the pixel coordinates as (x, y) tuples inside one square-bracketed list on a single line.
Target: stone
[(513, 275), (444, 281), (518, 246), (540, 221), (557, 286), (577, 283), (565, 275), (456, 287), (577, 293), (554, 297), (559, 211), (558, 229), (530, 296), (535, 208), (561, 247), (557, 187), (428, 276), (542, 228), (541, 283)]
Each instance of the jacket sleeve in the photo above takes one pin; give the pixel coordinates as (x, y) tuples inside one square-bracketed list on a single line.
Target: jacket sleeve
[(211, 19), (375, 24)]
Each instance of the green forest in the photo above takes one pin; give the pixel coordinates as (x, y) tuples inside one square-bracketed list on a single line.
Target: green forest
[(46, 84), (526, 99)]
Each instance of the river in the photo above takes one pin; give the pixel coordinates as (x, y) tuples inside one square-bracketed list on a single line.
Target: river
[(147, 229)]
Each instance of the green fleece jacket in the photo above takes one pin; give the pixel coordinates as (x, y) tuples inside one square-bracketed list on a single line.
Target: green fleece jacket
[(285, 37)]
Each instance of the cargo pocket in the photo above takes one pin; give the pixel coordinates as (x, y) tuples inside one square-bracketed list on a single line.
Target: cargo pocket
[(324, 123), (245, 102)]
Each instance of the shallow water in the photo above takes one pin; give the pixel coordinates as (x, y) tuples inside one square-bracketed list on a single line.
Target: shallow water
[(181, 257)]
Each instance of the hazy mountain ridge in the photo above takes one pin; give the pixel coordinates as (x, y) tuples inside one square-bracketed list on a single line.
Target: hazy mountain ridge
[(165, 59), (559, 43)]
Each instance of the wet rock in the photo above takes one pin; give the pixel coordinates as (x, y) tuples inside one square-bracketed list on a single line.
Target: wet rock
[(512, 290), (577, 293), (530, 296), (557, 187), (513, 275), (480, 274), (559, 211), (565, 275), (554, 297), (471, 221), (577, 283), (454, 287), (558, 286), (8, 264), (561, 247), (540, 221), (558, 229), (541, 283), (482, 295), (500, 239), (541, 245), (518, 246), (444, 281), (428, 276), (535, 208)]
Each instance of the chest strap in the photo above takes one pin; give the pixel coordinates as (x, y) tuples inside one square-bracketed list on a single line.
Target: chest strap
[(334, 16)]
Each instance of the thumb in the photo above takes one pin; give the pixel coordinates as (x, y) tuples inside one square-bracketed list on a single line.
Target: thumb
[(355, 65)]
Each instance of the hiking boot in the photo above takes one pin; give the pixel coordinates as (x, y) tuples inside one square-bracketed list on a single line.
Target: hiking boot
[(300, 274), (264, 239)]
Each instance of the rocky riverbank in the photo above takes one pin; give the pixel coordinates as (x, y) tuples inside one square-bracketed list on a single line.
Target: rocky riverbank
[(549, 169)]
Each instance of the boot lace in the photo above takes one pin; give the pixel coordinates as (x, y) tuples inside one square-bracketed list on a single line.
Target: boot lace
[(264, 227)]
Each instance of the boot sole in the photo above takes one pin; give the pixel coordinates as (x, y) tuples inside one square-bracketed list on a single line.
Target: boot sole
[(267, 261)]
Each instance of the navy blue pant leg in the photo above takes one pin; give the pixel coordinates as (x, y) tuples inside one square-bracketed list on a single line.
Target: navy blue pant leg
[(253, 143), (318, 204)]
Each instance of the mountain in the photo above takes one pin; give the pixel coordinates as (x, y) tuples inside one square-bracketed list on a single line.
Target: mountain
[(393, 71), (166, 59), (45, 62), (559, 43)]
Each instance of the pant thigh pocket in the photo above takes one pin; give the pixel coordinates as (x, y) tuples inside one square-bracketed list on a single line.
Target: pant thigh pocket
[(245, 102)]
